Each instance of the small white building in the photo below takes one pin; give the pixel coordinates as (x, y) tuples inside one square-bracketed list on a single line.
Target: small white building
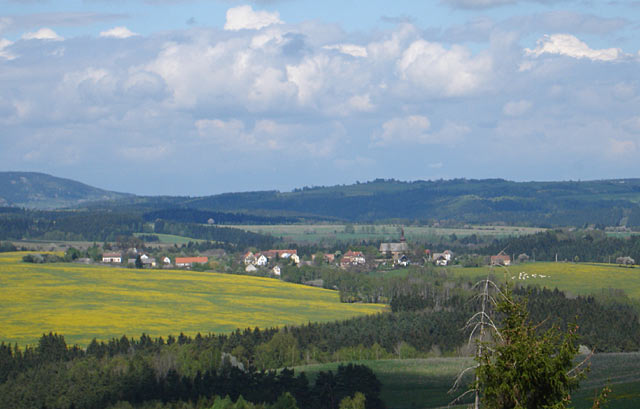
[(112, 258), (442, 259), (166, 260), (262, 260), (295, 258), (250, 268), (249, 258), (276, 271)]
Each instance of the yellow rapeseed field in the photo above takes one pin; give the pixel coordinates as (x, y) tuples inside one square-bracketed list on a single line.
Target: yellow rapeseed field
[(83, 302)]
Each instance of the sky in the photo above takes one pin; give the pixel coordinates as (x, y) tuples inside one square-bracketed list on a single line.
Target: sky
[(198, 97)]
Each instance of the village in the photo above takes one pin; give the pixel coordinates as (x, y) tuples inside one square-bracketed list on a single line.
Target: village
[(270, 262)]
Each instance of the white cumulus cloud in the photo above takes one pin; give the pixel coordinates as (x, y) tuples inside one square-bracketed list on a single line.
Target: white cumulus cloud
[(350, 49), (412, 128), (452, 72), (571, 46), (4, 53), (244, 17), (118, 32), (42, 34), (415, 129)]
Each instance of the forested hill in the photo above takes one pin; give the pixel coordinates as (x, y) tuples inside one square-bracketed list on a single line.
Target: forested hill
[(606, 202), (42, 191), (546, 204)]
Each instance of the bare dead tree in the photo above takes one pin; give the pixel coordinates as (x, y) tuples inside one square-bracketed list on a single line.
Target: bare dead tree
[(479, 324)]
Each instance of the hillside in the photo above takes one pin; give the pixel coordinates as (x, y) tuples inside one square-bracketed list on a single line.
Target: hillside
[(489, 201), (42, 191), (606, 202), (83, 302)]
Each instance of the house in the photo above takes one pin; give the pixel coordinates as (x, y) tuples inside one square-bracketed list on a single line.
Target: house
[(188, 261), (148, 262), (501, 259), (251, 268), (276, 271), (352, 258), (261, 260), (249, 258), (280, 253), (329, 258), (295, 258), (442, 259), (394, 249), (166, 260), (112, 257), (403, 260)]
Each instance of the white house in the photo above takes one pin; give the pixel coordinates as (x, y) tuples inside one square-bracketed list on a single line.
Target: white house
[(250, 268), (262, 260), (249, 258), (295, 258), (112, 258), (276, 271), (166, 260), (442, 259)]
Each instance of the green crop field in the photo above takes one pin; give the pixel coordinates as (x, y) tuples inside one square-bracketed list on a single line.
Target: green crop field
[(424, 383), (83, 302), (574, 278), (315, 233)]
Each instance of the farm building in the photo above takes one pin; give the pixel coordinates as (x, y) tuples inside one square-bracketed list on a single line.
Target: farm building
[(112, 258), (501, 259), (352, 258), (442, 259)]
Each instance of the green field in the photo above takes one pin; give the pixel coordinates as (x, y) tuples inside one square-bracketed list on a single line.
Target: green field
[(83, 302), (315, 233), (424, 383), (573, 278)]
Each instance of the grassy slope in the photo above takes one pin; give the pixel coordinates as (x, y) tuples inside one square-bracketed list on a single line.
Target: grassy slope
[(83, 302), (574, 278), (424, 383)]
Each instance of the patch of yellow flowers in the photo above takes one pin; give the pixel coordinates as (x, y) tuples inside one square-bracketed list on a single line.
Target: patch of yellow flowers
[(83, 302)]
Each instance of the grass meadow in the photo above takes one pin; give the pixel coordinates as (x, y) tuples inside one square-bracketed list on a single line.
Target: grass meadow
[(424, 383), (315, 233), (83, 302), (573, 278)]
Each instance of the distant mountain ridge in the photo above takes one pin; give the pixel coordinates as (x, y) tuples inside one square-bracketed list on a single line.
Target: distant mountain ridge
[(546, 204), (41, 191)]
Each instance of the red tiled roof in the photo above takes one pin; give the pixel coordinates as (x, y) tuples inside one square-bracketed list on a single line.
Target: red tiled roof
[(185, 260)]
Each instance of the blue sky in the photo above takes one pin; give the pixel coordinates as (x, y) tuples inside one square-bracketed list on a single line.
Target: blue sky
[(203, 97)]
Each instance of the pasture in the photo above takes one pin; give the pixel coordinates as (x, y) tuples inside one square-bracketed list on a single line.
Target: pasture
[(317, 233), (83, 302), (573, 278), (424, 383)]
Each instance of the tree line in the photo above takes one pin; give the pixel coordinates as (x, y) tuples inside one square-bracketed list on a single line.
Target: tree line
[(581, 245), (146, 374)]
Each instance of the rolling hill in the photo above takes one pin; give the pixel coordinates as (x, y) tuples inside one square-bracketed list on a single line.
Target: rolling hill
[(42, 191), (489, 201)]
